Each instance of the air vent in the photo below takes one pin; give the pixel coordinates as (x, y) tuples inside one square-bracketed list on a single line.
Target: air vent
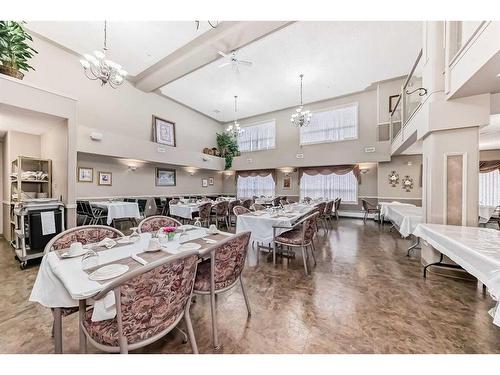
[(369, 149), (299, 156)]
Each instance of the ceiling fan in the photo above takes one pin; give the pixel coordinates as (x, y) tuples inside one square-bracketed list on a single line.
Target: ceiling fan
[(232, 59)]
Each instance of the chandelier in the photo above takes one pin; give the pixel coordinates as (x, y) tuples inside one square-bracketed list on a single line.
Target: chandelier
[(300, 117), (97, 67), (234, 129)]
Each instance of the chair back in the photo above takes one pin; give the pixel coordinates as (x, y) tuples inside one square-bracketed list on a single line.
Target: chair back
[(329, 207), (233, 204), (247, 203), (307, 199), (310, 226), (284, 202), (84, 234), (204, 210), (174, 201), (321, 207), (229, 256), (276, 201), (158, 202), (337, 203), (151, 300), (258, 207), (239, 210), (154, 223), (220, 208), (87, 208), (142, 205), (364, 204)]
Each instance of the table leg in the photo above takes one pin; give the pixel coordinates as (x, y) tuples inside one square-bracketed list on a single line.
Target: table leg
[(416, 245), (82, 338), (58, 331)]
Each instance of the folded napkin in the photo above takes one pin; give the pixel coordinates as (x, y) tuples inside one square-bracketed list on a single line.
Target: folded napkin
[(139, 259), (104, 308), (108, 243), (208, 240)]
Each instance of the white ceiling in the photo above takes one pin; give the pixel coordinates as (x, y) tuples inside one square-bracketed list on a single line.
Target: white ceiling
[(26, 121), (336, 58), (136, 45)]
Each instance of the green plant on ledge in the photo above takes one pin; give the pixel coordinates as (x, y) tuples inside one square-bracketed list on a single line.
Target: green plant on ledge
[(228, 148), (14, 49)]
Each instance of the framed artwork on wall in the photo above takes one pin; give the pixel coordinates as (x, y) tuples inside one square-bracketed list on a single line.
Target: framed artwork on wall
[(85, 174), (211, 181), (165, 177), (393, 100), (287, 183), (105, 179), (204, 182), (163, 131)]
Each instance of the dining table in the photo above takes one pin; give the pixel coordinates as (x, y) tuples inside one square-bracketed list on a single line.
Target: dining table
[(185, 210), (65, 282), (118, 210), (261, 224), (485, 213)]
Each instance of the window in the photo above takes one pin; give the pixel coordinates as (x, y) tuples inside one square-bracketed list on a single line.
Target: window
[(330, 186), (256, 137), (489, 188), (337, 124), (255, 185)]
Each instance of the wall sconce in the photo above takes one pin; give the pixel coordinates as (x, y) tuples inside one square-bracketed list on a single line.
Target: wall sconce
[(132, 168), (409, 163), (191, 171), (364, 170)]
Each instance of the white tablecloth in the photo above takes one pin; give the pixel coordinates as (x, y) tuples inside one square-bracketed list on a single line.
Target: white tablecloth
[(184, 210), (119, 210), (261, 227), (385, 205), (485, 213), (406, 218), (477, 250), (264, 201)]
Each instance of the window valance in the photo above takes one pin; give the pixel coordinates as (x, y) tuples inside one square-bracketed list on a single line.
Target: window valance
[(257, 172), (337, 169), (489, 166)]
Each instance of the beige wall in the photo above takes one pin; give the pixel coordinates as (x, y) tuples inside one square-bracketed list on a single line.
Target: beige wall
[(141, 182), (54, 146), (489, 155), (399, 164)]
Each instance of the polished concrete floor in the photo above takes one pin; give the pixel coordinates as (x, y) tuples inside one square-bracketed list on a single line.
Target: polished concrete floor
[(364, 296)]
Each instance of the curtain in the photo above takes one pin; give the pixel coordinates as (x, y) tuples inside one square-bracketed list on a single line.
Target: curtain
[(257, 137), (335, 169), (489, 188), (330, 186), (259, 172), (489, 166), (332, 125), (256, 185)]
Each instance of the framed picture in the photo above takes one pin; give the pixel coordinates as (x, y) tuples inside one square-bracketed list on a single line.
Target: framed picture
[(210, 180), (287, 183), (163, 131), (105, 179), (204, 182), (85, 174), (165, 177), (393, 100)]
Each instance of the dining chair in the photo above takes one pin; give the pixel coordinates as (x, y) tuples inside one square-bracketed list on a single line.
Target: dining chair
[(247, 203), (276, 201), (327, 215), (219, 212), (84, 234), (301, 236), (141, 203), (369, 209), (336, 205), (257, 207), (150, 302), (231, 205), (221, 273), (321, 207), (159, 205), (284, 202), (203, 216), (240, 210), (495, 217), (155, 223), (307, 200)]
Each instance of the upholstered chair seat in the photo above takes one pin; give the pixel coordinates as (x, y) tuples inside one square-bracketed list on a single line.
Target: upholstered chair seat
[(154, 223), (291, 237)]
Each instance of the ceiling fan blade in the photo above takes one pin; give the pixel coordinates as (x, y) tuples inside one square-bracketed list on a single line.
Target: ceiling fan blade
[(224, 64), (222, 54), (244, 62)]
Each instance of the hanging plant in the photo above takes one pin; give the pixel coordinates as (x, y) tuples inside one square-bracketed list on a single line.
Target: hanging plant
[(14, 49), (228, 148)]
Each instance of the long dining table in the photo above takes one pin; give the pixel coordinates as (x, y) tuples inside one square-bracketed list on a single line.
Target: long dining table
[(63, 282), (261, 224)]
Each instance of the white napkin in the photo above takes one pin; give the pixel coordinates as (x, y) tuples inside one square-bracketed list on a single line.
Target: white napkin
[(107, 242), (48, 222), (104, 308), (139, 259)]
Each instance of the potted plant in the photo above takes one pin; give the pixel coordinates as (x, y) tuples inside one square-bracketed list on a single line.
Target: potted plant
[(228, 148), (14, 49)]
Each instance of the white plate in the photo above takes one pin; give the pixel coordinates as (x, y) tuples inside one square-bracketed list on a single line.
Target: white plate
[(108, 272), (74, 255), (127, 240), (190, 246), (152, 250), (184, 227)]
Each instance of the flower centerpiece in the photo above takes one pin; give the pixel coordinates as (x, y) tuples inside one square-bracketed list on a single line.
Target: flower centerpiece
[(169, 231)]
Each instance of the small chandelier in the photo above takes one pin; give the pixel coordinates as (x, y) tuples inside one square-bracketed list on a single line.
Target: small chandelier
[(234, 129), (300, 117), (96, 66)]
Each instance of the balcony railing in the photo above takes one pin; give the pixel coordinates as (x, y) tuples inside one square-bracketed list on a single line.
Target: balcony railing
[(410, 99)]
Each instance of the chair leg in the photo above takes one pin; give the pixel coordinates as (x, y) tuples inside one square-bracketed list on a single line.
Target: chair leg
[(247, 302), (364, 217), (189, 326), (313, 255), (58, 347), (304, 257), (82, 338)]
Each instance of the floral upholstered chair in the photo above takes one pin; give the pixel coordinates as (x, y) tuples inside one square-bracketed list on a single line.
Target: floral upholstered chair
[(247, 203), (258, 207), (84, 234), (321, 207), (301, 236), (336, 206), (219, 212), (150, 301), (231, 205), (240, 210), (204, 213), (327, 215), (222, 272), (154, 223)]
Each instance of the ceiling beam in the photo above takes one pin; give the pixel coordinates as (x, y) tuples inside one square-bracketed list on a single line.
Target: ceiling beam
[(228, 36)]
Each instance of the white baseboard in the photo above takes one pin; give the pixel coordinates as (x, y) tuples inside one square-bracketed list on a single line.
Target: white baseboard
[(356, 214)]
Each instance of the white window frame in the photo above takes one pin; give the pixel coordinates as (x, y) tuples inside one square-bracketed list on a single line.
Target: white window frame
[(353, 104), (244, 127), (355, 202), (239, 196)]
